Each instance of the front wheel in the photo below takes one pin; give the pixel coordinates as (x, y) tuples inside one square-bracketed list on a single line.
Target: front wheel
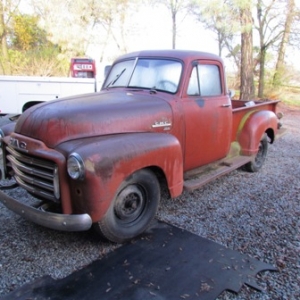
[(258, 161), (133, 208)]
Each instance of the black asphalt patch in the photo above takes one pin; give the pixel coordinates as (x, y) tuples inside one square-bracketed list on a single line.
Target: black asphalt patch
[(165, 263)]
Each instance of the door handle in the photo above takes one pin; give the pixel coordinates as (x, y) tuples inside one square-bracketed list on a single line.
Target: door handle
[(225, 105)]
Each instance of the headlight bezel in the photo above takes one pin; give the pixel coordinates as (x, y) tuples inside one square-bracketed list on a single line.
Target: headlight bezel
[(75, 166)]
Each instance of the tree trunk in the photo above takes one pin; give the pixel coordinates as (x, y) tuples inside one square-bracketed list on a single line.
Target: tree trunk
[(4, 58), (174, 29), (220, 42), (262, 48), (247, 77), (284, 42), (261, 81)]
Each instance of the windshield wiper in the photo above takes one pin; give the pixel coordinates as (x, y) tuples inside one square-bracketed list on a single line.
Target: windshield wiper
[(153, 90), (116, 79)]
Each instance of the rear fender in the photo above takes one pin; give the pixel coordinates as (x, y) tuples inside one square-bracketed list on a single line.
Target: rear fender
[(109, 161), (252, 129)]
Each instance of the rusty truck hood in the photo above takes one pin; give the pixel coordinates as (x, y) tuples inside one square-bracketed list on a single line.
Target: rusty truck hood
[(94, 115)]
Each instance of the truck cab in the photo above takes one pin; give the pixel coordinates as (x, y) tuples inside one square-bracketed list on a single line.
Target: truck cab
[(161, 118)]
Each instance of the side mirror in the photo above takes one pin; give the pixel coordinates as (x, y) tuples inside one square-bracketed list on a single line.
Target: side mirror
[(231, 93), (106, 70)]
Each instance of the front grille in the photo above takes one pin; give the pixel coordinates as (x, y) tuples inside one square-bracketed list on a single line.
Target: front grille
[(33, 174)]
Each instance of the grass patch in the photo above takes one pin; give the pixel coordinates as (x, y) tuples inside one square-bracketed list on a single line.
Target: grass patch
[(288, 95)]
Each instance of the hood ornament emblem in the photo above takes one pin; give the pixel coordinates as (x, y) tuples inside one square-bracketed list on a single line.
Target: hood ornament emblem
[(17, 144), (158, 124)]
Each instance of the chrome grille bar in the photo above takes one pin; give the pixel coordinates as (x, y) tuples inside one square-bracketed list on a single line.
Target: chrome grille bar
[(33, 181), (29, 170), (33, 174), (35, 191), (30, 160)]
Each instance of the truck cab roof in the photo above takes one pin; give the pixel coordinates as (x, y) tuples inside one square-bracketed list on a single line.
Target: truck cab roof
[(184, 55)]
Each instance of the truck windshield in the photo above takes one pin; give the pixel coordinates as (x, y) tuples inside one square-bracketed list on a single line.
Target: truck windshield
[(145, 73)]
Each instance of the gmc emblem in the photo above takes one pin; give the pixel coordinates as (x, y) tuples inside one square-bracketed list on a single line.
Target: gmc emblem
[(16, 144)]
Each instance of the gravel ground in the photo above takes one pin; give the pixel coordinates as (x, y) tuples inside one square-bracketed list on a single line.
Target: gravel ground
[(254, 213)]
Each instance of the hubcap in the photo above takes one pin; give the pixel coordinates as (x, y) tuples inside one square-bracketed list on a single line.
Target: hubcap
[(129, 204)]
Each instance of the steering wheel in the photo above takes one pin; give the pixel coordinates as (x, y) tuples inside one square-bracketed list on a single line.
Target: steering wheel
[(167, 85)]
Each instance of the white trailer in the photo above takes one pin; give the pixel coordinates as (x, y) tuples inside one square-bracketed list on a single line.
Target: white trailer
[(17, 93)]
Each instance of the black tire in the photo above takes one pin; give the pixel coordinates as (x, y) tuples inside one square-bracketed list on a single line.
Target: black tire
[(133, 208), (256, 164)]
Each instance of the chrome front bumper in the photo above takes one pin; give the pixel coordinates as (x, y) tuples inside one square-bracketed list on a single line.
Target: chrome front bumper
[(47, 219)]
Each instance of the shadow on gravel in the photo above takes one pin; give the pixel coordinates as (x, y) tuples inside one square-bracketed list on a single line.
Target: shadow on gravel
[(165, 263)]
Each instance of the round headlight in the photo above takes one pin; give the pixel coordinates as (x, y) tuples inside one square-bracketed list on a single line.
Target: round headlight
[(75, 166)]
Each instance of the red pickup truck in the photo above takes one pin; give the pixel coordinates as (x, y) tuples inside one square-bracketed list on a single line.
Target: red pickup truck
[(161, 118)]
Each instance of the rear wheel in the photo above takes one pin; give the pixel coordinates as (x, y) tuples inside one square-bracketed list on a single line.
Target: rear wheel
[(258, 161), (133, 208)]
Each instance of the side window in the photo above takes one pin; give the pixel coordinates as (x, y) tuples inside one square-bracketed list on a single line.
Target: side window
[(210, 82), (205, 81), (193, 88)]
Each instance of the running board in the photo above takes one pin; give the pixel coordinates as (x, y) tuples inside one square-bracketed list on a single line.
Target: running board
[(195, 179)]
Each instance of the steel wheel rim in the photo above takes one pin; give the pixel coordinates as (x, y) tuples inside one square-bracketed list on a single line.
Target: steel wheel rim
[(130, 204)]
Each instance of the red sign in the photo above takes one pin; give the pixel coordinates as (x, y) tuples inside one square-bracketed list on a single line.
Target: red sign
[(83, 68)]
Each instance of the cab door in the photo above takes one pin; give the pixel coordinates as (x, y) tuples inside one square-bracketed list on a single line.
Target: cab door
[(207, 115)]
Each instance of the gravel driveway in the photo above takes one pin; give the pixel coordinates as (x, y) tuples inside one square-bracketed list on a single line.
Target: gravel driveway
[(254, 213)]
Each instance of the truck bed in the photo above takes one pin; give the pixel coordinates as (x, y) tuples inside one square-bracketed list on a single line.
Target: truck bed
[(241, 108), (196, 178), (239, 105)]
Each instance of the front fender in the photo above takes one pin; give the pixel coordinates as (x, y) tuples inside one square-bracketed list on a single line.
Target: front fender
[(252, 128), (8, 127), (110, 160)]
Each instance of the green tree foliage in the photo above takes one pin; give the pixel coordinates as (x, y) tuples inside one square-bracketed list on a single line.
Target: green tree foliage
[(270, 27), (43, 61), (44, 41), (79, 23), (25, 49), (27, 34), (231, 21), (7, 9), (274, 24), (222, 18), (31, 53), (291, 15)]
